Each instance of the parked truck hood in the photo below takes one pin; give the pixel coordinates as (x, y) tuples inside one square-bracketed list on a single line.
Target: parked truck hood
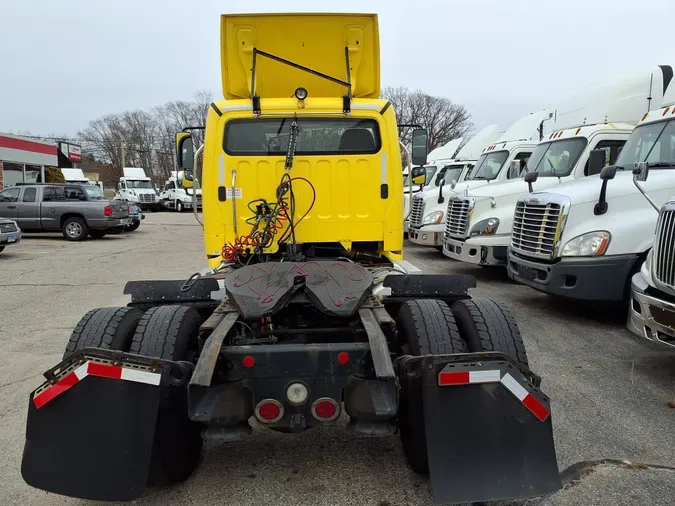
[(316, 41), (582, 191)]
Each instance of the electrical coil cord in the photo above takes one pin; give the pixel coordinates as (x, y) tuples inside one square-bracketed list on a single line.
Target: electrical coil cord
[(268, 220)]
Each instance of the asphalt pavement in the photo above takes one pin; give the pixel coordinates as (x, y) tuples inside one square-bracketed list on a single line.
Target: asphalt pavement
[(610, 394)]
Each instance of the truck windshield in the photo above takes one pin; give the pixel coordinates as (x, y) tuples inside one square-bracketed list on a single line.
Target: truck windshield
[(557, 158), (449, 173), (653, 143), (317, 136), (136, 184), (489, 165), (94, 192)]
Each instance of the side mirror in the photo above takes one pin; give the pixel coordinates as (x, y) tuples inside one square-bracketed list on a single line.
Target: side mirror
[(530, 178), (514, 169), (596, 161), (641, 172), (608, 172), (418, 154), (185, 152), (185, 178), (419, 175)]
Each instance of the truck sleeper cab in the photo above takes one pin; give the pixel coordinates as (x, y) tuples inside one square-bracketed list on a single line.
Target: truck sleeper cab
[(479, 230), (574, 243), (600, 117), (491, 168)]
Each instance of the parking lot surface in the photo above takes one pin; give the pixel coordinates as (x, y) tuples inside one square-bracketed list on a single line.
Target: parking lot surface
[(610, 394)]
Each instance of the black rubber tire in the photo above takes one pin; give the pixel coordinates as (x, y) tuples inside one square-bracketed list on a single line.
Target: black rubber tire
[(179, 206), (110, 328), (487, 325), (97, 234), (84, 229), (170, 332), (134, 225), (425, 327)]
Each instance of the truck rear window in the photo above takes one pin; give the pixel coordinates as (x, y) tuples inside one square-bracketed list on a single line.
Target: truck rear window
[(317, 136)]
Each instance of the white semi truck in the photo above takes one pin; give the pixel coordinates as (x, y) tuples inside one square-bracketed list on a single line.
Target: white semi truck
[(136, 187), (496, 156), (599, 118), (651, 312), (437, 166), (77, 176), (585, 239), (176, 198)]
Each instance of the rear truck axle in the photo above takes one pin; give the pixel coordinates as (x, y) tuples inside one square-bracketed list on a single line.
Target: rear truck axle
[(451, 379)]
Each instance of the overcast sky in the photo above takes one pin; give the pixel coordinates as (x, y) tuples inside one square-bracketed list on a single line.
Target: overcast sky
[(65, 62)]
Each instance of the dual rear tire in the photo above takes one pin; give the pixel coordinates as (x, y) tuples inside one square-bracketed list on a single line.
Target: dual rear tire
[(433, 327), (167, 332)]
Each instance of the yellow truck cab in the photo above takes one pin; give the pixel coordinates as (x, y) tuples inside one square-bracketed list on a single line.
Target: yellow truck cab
[(345, 171), (307, 313)]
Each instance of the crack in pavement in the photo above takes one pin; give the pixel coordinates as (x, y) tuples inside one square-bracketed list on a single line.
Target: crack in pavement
[(574, 474)]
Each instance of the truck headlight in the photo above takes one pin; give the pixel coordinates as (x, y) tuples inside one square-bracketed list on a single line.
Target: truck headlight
[(588, 245), (485, 227), (435, 218)]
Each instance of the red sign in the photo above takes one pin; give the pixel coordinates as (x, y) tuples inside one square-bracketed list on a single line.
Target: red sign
[(75, 153)]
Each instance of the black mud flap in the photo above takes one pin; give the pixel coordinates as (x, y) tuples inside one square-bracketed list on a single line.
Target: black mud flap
[(90, 431), (488, 429)]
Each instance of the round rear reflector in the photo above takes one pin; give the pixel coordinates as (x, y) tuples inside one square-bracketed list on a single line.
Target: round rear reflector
[(325, 409), (343, 358), (269, 411)]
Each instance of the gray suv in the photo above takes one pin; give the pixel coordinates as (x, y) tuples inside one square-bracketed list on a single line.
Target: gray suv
[(77, 210)]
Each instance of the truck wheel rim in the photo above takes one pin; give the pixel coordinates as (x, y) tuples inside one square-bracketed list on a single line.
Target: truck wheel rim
[(74, 229)]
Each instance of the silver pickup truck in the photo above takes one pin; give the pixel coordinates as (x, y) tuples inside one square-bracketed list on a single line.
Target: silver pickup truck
[(77, 210)]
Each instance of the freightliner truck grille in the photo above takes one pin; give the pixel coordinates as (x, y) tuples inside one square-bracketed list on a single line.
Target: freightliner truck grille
[(417, 210), (664, 249), (457, 217), (536, 226)]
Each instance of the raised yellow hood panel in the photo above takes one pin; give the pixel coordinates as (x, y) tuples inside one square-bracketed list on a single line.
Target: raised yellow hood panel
[(316, 41)]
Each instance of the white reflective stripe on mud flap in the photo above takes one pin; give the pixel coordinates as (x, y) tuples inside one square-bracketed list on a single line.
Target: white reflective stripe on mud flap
[(484, 376), (150, 378), (514, 387), (82, 371)]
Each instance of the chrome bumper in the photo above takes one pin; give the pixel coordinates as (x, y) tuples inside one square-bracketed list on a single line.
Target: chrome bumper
[(423, 238), (640, 315), (473, 253)]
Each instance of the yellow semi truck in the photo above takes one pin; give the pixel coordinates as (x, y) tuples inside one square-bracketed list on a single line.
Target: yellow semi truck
[(307, 311)]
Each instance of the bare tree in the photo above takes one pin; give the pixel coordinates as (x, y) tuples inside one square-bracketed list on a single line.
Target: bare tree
[(146, 137), (443, 119)]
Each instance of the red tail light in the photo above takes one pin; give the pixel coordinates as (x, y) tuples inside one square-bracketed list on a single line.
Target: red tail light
[(269, 411), (325, 409), (107, 211)]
